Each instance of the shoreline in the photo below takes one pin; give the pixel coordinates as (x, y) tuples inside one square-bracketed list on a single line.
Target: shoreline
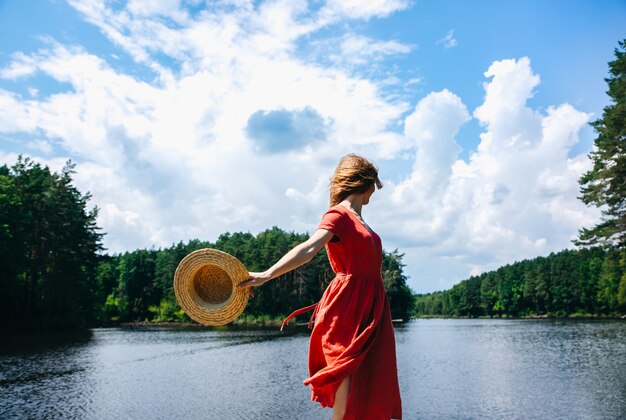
[(303, 325), (292, 326), (270, 324)]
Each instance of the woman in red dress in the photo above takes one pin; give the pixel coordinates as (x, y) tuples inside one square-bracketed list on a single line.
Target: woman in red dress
[(352, 351)]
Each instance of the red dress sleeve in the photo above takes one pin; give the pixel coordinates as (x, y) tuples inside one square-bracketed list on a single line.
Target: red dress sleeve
[(334, 221)]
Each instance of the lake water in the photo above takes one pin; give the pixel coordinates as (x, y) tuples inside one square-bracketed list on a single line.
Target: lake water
[(448, 369)]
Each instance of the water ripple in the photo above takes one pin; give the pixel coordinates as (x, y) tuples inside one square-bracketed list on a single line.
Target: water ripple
[(450, 369)]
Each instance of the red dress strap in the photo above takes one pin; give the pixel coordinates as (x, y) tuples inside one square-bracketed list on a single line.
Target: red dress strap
[(301, 311)]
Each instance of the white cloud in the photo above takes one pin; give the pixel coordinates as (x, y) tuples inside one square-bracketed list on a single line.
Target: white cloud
[(514, 199), (40, 146), (358, 49), (169, 8), (413, 81), (21, 65), (363, 9), (433, 127), (448, 41)]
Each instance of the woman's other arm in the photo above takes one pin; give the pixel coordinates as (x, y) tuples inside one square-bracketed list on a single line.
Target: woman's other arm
[(299, 255)]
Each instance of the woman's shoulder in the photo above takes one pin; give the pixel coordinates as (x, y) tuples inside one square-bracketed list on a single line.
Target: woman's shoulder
[(335, 218), (338, 210)]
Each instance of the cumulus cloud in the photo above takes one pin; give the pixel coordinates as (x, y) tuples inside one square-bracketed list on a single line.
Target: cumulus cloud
[(281, 130), (514, 199), (433, 127)]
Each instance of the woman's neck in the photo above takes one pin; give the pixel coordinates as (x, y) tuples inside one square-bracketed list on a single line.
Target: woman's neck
[(354, 203)]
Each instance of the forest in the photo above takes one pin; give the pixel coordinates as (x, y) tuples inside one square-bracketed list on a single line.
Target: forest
[(586, 282)]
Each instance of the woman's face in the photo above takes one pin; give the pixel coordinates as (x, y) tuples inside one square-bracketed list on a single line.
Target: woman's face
[(367, 194)]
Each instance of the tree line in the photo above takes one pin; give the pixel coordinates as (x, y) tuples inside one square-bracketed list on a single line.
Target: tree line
[(571, 282)]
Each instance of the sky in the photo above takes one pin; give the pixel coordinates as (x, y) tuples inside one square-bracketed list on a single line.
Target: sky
[(189, 119)]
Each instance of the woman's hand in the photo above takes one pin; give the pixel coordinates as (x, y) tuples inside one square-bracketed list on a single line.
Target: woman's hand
[(255, 279)]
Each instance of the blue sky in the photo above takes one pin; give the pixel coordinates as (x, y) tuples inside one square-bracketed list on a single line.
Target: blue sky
[(188, 120)]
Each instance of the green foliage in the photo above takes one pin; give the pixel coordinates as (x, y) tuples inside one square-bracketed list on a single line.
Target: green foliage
[(604, 186), (48, 249), (167, 311), (137, 285), (608, 284), (398, 292), (621, 293), (590, 281), (110, 310)]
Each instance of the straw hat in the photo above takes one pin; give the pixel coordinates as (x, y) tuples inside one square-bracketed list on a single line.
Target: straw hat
[(205, 284)]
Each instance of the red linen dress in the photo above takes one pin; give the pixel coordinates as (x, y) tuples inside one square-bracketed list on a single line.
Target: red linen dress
[(353, 333)]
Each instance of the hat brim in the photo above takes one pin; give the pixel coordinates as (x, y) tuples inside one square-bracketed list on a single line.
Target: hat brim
[(219, 272)]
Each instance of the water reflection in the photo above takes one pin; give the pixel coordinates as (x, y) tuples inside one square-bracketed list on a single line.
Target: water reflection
[(448, 369), (514, 369)]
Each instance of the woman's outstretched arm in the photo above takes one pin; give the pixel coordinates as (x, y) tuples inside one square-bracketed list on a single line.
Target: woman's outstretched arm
[(299, 255)]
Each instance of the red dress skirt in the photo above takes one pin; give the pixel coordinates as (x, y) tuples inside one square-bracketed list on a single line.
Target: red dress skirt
[(353, 334)]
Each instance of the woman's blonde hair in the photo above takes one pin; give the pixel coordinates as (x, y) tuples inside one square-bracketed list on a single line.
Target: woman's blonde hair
[(353, 175)]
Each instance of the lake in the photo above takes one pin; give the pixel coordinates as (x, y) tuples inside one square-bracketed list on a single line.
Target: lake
[(448, 369)]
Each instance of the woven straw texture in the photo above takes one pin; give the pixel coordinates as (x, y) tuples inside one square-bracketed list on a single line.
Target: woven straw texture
[(205, 286)]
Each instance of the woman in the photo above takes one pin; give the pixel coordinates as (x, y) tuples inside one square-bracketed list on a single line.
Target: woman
[(352, 354)]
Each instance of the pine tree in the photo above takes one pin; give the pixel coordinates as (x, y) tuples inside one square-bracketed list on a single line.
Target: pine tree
[(605, 185), (49, 245)]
